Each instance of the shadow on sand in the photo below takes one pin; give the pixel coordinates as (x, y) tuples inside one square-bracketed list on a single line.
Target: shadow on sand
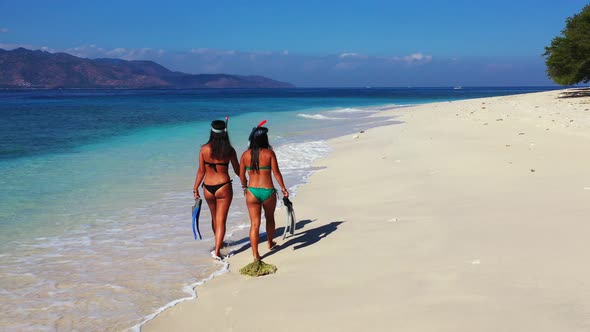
[(575, 93), (297, 241)]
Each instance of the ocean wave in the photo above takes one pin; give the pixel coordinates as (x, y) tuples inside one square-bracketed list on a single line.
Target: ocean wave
[(301, 156), (352, 110), (317, 117)]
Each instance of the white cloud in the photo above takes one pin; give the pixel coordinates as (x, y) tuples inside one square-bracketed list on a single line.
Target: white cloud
[(93, 51), (89, 51), (417, 57), (117, 52), (353, 55), (414, 58)]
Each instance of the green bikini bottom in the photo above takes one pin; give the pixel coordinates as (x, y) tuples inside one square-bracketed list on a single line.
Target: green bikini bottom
[(262, 194)]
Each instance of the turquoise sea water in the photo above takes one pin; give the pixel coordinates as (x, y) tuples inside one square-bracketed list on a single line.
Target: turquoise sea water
[(96, 188)]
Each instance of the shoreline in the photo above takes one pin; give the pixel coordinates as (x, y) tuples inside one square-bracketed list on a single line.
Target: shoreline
[(311, 169), (415, 225)]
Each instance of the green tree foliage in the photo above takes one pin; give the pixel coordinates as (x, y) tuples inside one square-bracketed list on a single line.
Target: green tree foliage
[(568, 56)]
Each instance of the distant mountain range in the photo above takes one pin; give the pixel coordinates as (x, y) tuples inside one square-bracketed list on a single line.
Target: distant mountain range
[(23, 68)]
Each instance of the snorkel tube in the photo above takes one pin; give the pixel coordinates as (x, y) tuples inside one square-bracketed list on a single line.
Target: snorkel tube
[(253, 131)]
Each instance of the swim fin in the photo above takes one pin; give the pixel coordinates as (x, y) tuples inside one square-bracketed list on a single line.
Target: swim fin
[(291, 220), (196, 213)]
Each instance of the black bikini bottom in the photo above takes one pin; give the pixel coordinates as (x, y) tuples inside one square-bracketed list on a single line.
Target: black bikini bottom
[(213, 188)]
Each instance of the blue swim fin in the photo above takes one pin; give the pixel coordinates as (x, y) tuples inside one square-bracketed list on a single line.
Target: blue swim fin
[(196, 213)]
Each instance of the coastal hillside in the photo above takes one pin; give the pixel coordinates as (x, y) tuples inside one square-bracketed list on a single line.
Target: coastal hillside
[(23, 68)]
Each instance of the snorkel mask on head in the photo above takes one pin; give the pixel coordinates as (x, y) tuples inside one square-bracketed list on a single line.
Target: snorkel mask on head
[(256, 131), (219, 131)]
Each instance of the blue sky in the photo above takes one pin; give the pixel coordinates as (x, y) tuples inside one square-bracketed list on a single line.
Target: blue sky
[(308, 43)]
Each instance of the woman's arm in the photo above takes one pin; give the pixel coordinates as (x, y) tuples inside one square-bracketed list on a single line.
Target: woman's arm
[(234, 162), (243, 172), (200, 175), (277, 172)]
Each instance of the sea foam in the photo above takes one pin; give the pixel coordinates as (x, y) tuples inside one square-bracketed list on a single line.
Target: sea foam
[(317, 117)]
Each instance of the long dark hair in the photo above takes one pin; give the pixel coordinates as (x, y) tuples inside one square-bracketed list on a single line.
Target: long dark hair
[(219, 140), (258, 140)]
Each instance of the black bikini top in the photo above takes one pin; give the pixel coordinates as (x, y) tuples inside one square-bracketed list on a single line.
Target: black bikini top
[(214, 165)]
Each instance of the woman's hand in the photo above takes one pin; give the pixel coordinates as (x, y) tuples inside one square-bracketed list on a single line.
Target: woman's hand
[(285, 192), (196, 193)]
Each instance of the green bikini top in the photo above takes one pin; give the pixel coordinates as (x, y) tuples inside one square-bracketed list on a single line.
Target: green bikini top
[(248, 168)]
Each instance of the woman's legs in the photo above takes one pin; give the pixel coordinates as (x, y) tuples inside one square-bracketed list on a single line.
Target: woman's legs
[(254, 209), (223, 198), (210, 198), (219, 206), (269, 213)]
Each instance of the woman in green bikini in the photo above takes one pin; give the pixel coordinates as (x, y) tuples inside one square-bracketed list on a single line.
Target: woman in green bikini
[(260, 162), (214, 159)]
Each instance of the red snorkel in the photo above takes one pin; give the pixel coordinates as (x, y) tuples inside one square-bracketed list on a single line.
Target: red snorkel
[(253, 130)]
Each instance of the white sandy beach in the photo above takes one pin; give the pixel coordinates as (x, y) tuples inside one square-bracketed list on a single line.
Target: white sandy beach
[(469, 216)]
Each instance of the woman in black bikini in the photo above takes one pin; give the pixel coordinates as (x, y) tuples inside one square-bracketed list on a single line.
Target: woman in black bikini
[(260, 162), (214, 159)]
